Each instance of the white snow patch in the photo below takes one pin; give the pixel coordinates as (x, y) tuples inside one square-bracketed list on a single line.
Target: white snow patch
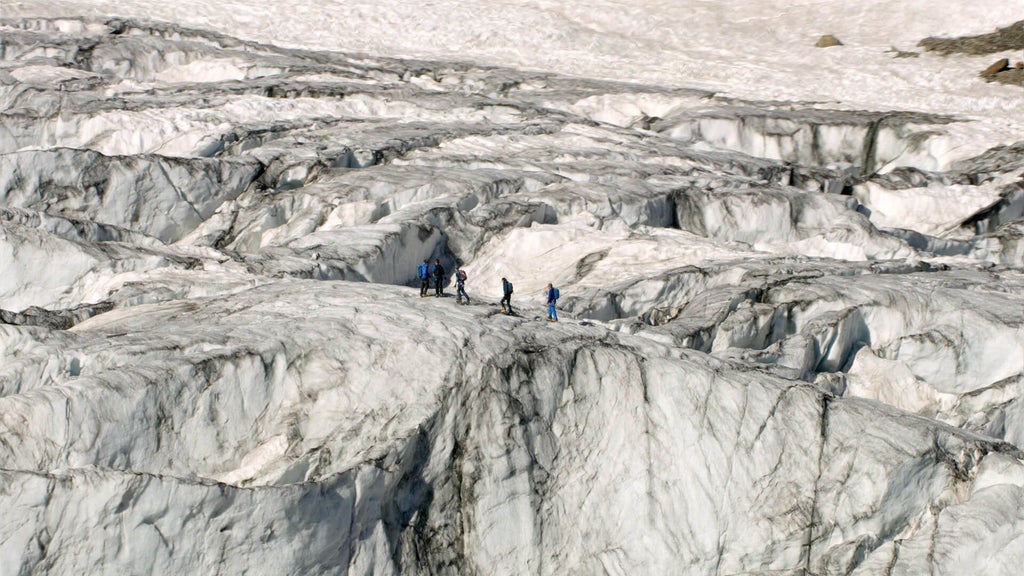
[(936, 209)]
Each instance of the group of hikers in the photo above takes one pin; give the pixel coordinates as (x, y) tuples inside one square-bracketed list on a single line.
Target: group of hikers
[(425, 272)]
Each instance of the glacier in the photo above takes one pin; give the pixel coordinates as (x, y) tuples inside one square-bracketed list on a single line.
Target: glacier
[(792, 336)]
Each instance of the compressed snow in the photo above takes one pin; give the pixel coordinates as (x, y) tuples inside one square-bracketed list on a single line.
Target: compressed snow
[(935, 210), (761, 51)]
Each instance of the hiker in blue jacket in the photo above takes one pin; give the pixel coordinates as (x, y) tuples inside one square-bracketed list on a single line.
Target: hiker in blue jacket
[(552, 300), (423, 273), (506, 289), (438, 278)]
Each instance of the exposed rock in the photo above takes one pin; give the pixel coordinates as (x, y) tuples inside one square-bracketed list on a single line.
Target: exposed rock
[(990, 73), (1002, 40), (1014, 76), (827, 41)]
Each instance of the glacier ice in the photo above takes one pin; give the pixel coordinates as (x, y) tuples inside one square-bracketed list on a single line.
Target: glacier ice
[(791, 343)]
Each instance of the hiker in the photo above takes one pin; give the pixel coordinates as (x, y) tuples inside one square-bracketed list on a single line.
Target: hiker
[(423, 273), (460, 286), (552, 300), (438, 278), (506, 289)]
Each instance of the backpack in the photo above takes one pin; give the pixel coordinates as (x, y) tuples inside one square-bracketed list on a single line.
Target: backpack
[(424, 271), (461, 275), (556, 293)]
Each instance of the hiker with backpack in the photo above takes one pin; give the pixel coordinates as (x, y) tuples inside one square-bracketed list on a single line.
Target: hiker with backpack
[(460, 286), (506, 289), (438, 278), (552, 301), (423, 273)]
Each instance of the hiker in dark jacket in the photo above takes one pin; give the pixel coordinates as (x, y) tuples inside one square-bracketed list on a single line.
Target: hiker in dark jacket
[(423, 273), (506, 289), (438, 278)]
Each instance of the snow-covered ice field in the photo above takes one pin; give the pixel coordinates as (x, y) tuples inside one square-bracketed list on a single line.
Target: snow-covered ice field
[(757, 50), (792, 336)]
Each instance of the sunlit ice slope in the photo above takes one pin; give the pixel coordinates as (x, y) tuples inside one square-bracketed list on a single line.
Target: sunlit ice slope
[(755, 50)]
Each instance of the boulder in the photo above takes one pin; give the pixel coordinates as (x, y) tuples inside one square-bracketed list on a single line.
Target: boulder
[(990, 73), (827, 41)]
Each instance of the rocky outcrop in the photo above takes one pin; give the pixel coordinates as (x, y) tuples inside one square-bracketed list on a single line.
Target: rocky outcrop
[(1002, 40)]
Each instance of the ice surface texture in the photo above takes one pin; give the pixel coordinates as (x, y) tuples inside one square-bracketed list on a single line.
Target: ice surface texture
[(791, 340)]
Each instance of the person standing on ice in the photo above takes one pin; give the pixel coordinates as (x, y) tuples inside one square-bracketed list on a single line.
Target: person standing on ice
[(552, 301), (423, 273), (438, 278), (460, 286), (506, 289)]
